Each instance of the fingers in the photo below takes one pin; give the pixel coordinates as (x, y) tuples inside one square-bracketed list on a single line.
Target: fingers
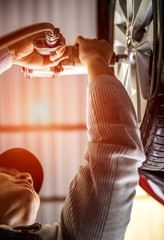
[(79, 40), (87, 47), (57, 54), (61, 48), (59, 57), (104, 41), (62, 54), (60, 51)]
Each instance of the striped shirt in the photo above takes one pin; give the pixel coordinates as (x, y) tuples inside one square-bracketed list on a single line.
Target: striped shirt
[(100, 196)]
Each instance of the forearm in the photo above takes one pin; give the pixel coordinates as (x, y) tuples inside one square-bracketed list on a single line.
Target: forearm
[(96, 66)]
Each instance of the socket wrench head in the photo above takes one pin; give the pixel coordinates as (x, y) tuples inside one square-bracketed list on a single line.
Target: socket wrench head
[(49, 43)]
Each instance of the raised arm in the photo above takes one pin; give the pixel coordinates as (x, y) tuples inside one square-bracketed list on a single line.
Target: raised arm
[(100, 197)]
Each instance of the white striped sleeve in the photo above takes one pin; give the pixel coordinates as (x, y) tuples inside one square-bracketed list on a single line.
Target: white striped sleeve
[(100, 197)]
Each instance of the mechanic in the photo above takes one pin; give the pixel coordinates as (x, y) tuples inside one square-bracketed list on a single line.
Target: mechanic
[(99, 201)]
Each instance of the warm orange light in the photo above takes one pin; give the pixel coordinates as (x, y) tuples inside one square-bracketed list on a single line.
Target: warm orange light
[(39, 112), (68, 70)]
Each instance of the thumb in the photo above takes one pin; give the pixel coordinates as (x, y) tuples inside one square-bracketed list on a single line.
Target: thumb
[(60, 55)]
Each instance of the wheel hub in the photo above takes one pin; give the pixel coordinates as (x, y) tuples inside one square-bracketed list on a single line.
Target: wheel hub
[(133, 36)]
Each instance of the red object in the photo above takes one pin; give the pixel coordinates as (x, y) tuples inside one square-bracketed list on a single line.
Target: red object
[(152, 189)]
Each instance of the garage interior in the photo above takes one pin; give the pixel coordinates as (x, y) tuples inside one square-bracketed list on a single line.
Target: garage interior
[(47, 115)]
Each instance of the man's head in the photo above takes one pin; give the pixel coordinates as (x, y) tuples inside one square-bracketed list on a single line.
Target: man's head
[(21, 177)]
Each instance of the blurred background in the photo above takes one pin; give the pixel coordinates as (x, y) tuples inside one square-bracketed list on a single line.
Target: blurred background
[(47, 115)]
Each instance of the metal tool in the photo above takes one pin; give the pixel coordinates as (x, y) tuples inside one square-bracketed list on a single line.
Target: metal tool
[(48, 44), (69, 66)]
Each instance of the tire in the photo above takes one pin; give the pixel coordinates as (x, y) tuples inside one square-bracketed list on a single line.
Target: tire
[(138, 32)]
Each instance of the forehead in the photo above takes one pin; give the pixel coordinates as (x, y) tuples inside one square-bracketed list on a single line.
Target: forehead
[(11, 171)]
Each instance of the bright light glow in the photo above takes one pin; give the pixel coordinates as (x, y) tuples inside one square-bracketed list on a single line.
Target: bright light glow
[(68, 70), (134, 91), (74, 70), (40, 112)]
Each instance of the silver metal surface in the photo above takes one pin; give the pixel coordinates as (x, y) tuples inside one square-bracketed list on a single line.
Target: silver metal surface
[(50, 43), (133, 35)]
